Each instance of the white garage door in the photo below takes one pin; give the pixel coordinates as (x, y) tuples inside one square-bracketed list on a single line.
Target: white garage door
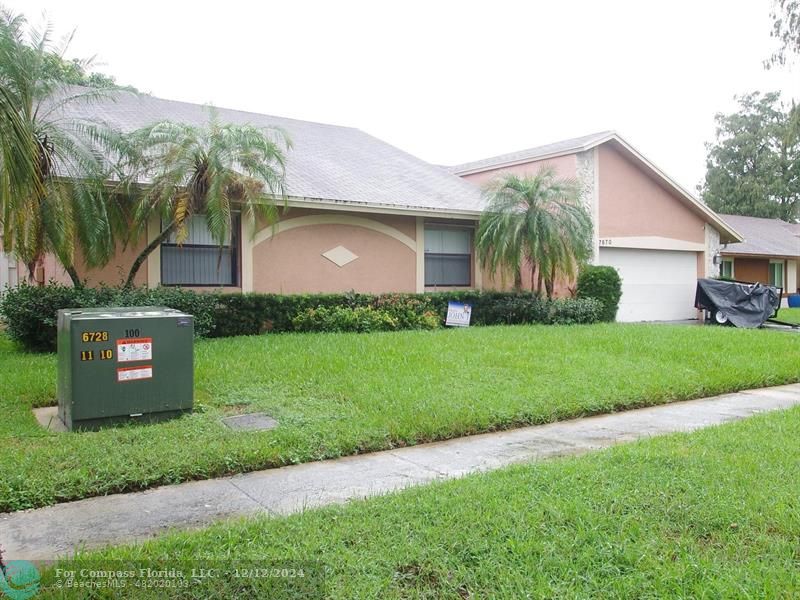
[(657, 285)]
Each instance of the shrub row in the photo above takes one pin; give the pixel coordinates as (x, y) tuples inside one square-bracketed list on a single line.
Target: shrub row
[(361, 319), (30, 311)]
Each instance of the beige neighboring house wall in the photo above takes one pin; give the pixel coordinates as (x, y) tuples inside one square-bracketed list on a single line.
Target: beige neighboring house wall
[(767, 242)]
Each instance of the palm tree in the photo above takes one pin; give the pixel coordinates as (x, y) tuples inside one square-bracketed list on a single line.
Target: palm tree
[(215, 170), (52, 194), (539, 219)]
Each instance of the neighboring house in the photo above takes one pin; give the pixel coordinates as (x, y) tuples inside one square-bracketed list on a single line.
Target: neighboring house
[(365, 216), (658, 236), (770, 252)]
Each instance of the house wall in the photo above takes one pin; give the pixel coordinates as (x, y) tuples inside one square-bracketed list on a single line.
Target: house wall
[(288, 258), (564, 166), (751, 269), (114, 273), (9, 270), (632, 203)]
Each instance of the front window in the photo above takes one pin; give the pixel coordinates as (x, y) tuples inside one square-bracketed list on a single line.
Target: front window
[(199, 260), (448, 257), (776, 274), (726, 269)]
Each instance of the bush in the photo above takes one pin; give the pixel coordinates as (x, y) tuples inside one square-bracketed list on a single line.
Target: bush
[(30, 311), (344, 318), (410, 311), (575, 311), (604, 284)]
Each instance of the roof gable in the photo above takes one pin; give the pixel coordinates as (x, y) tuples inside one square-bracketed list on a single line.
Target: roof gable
[(585, 143)]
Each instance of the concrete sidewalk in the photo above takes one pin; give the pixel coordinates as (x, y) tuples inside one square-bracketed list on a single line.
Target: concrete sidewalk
[(45, 533)]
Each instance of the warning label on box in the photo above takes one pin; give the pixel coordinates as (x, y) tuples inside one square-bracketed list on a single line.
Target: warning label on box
[(134, 373), (134, 349)]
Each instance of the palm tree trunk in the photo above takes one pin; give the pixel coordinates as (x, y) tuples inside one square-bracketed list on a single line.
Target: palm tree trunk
[(550, 283), (73, 275), (137, 264), (517, 280)]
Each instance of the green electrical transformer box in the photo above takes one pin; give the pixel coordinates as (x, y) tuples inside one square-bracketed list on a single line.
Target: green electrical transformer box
[(118, 365)]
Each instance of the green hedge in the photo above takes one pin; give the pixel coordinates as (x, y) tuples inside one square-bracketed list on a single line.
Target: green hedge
[(30, 311), (362, 319), (604, 284)]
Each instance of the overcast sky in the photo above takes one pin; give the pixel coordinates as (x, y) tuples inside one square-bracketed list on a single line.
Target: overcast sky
[(448, 81)]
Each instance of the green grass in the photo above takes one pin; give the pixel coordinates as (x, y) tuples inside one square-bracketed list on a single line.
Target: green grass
[(337, 394), (790, 315), (712, 514)]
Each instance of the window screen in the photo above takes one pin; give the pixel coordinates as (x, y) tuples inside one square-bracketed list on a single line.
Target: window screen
[(199, 261), (727, 269), (776, 274), (447, 257)]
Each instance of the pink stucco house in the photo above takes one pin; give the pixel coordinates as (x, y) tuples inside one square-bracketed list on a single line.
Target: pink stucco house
[(363, 215), (658, 236)]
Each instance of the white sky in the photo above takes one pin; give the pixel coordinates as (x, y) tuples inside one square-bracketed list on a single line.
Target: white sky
[(448, 81)]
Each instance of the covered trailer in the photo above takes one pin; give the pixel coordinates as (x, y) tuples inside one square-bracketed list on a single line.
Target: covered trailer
[(736, 302)]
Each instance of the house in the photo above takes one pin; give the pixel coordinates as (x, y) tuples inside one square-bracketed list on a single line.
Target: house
[(770, 252), (363, 215), (658, 236)]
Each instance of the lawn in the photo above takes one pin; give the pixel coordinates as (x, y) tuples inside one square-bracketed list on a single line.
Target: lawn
[(712, 514), (790, 315), (337, 394)]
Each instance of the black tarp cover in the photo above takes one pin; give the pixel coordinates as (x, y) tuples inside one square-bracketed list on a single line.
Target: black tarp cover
[(745, 305)]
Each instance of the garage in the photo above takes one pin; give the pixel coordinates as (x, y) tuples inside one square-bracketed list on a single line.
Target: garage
[(657, 285)]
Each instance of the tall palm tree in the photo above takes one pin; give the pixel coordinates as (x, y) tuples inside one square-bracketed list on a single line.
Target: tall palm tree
[(52, 194), (17, 153), (214, 170), (538, 219)]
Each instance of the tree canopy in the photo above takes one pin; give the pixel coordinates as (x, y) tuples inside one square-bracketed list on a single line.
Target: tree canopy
[(52, 174), (786, 29), (753, 167), (214, 170)]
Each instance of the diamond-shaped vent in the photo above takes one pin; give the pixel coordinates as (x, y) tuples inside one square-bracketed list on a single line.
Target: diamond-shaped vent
[(340, 256)]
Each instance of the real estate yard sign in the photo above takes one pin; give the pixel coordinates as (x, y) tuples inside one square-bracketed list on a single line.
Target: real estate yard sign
[(458, 314)]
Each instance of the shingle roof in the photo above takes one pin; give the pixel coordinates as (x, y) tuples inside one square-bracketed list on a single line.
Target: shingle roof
[(329, 163), (564, 146), (767, 237)]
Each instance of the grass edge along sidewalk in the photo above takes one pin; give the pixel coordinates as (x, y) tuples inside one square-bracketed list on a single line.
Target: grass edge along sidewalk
[(341, 394), (711, 513)]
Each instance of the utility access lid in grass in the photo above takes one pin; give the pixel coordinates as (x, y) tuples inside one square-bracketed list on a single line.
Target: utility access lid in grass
[(250, 422)]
